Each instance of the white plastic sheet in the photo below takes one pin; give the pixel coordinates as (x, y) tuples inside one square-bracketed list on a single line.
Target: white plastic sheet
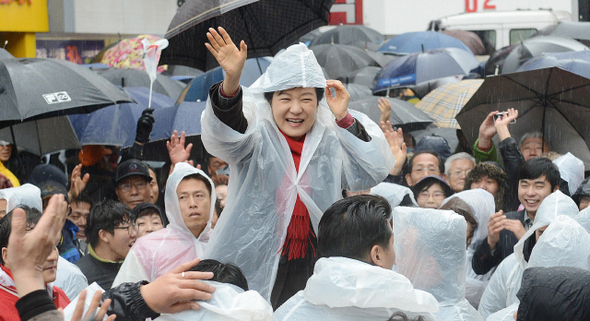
[(26, 194), (430, 251), (154, 254), (583, 218), (571, 170), (90, 291), (348, 289), (265, 183), (69, 278)]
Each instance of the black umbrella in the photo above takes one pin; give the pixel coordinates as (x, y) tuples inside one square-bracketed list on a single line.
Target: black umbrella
[(267, 26), (33, 88), (508, 59), (139, 78), (403, 114), (552, 101), (352, 35), (570, 29), (340, 60), (358, 92)]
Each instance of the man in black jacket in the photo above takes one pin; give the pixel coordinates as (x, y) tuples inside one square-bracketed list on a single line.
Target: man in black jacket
[(537, 178)]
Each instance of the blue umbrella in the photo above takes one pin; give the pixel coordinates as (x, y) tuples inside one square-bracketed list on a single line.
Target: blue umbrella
[(116, 124), (577, 62), (198, 88), (421, 67), (411, 42)]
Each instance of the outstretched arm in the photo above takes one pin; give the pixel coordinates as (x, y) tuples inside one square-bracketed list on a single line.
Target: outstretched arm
[(229, 57)]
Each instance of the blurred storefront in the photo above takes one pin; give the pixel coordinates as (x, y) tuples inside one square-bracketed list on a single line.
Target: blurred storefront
[(20, 20)]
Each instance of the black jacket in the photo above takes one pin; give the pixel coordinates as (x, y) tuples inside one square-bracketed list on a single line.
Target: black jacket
[(556, 293), (513, 159), (103, 273), (127, 303), (484, 259)]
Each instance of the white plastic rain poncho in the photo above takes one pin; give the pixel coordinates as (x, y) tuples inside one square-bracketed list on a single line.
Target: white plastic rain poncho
[(393, 193), (482, 206), (344, 289), (583, 218), (430, 251), (27, 194), (506, 314), (571, 170), (154, 254), (69, 278), (265, 183), (504, 284), (227, 303)]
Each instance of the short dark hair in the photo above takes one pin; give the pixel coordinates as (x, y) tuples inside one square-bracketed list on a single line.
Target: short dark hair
[(33, 217), (145, 208), (201, 178), (352, 226), (537, 167), (218, 208), (223, 272), (106, 215), (82, 198), (319, 92), (441, 164)]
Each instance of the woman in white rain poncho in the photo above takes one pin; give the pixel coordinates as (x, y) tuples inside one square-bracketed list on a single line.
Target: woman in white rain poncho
[(564, 243), (430, 251), (482, 206), (155, 254), (288, 163), (504, 284)]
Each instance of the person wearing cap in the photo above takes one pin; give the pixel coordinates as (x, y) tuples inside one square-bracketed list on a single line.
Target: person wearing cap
[(148, 218), (5, 153), (132, 182), (431, 191)]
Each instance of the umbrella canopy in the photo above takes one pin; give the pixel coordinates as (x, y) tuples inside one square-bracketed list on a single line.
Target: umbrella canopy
[(138, 78), (449, 134), (444, 103), (470, 39), (552, 101), (418, 41), (32, 88), (42, 136), (267, 26), (353, 35), (198, 88), (358, 92), (116, 125), (509, 59), (569, 29), (4, 54), (420, 67), (363, 76), (577, 62), (127, 53), (340, 60), (403, 114)]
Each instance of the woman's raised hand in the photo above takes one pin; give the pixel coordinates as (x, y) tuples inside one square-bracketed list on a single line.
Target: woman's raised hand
[(229, 57), (339, 103)]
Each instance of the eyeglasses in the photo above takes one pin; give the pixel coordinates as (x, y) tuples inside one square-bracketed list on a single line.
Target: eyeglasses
[(430, 169), (130, 228), (459, 173), (139, 185)]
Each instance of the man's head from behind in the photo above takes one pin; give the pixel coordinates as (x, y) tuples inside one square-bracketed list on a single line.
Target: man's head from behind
[(33, 217), (132, 183), (224, 273), (110, 230), (422, 164), (537, 178), (358, 227)]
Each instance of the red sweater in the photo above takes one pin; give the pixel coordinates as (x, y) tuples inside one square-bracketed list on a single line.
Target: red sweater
[(9, 296)]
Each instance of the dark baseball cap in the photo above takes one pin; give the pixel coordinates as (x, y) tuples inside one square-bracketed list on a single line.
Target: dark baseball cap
[(132, 167), (49, 188)]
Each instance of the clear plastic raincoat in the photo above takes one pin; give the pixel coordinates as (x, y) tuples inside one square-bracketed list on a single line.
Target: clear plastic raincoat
[(264, 182), (393, 193), (352, 290), (154, 254), (27, 194), (571, 170), (430, 251), (228, 303), (482, 206), (504, 284), (583, 218)]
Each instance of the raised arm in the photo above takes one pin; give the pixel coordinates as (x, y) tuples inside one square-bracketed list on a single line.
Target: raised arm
[(229, 57)]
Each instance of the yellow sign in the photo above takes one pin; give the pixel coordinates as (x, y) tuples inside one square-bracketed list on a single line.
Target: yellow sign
[(24, 16)]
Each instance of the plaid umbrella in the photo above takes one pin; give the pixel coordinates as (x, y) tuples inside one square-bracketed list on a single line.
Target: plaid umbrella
[(128, 53), (444, 103)]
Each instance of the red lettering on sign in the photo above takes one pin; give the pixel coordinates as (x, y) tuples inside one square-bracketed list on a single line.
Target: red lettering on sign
[(487, 6), (469, 8), (20, 2)]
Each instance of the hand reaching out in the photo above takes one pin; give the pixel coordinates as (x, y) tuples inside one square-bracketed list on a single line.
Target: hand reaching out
[(339, 103), (385, 109), (487, 130), (176, 150), (78, 183), (398, 148), (92, 314), (229, 57), (501, 123)]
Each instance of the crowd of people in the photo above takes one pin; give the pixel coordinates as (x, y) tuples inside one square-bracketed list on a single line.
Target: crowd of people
[(325, 215)]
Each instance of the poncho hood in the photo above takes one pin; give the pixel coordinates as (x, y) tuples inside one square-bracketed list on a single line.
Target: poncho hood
[(481, 203), (27, 194)]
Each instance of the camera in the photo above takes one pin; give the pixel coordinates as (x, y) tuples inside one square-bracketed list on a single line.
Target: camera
[(502, 115)]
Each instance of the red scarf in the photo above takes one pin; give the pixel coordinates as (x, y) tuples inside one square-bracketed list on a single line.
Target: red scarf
[(298, 231)]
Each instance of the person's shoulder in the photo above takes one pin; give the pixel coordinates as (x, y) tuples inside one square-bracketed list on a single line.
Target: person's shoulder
[(60, 298)]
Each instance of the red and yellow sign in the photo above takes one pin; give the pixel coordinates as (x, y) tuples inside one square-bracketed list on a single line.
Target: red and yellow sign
[(24, 16)]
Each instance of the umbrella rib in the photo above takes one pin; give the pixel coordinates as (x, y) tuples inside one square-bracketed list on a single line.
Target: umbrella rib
[(540, 96), (181, 27)]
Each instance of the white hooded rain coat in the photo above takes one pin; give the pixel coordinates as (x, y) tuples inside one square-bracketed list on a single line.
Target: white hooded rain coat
[(430, 251), (505, 283), (154, 254), (27, 194), (343, 289), (264, 183)]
